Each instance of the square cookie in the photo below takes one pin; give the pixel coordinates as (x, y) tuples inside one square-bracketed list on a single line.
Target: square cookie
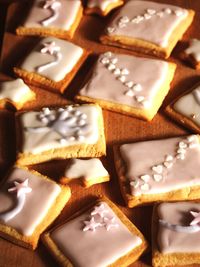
[(66, 132), (192, 53), (29, 203), (51, 64), (89, 171), (100, 236), (148, 27), (102, 7), (58, 18), (130, 85), (176, 234), (15, 93), (186, 109), (159, 170)]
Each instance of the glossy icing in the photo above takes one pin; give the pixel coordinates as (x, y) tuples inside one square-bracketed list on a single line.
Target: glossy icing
[(14, 90), (160, 166), (58, 128), (21, 189), (51, 49), (70, 53), (101, 4), (37, 202), (67, 14), (194, 49), (171, 241), (120, 79), (97, 248), (149, 21), (87, 169), (54, 7), (189, 105)]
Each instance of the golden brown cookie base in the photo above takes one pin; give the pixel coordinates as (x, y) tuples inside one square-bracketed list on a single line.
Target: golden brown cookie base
[(170, 259), (187, 193), (145, 47), (145, 114), (124, 261), (85, 182), (100, 12), (47, 31), (183, 120), (30, 242), (41, 81), (75, 151)]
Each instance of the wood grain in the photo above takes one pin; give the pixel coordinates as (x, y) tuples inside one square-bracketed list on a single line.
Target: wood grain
[(118, 128)]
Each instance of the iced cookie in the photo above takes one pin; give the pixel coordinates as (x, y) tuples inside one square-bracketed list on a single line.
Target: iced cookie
[(102, 7), (90, 171), (148, 27), (99, 236), (58, 18), (192, 53), (51, 64), (67, 132), (29, 203), (186, 109), (15, 93), (176, 234), (130, 85), (159, 170)]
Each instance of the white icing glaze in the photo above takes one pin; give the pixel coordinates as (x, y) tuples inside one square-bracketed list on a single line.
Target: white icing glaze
[(52, 49), (189, 105), (101, 4), (88, 169), (98, 248), (54, 7), (70, 52), (149, 21), (21, 189), (37, 204), (194, 49), (148, 158), (57, 128), (137, 87), (178, 236), (39, 14), (14, 90)]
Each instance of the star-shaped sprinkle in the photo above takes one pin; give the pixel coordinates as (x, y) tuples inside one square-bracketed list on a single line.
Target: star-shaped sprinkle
[(91, 225), (99, 210), (109, 223), (196, 220), (49, 48), (20, 188)]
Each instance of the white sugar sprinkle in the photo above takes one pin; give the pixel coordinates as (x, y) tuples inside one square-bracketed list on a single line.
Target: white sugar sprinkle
[(137, 87), (117, 71), (139, 98), (134, 183), (114, 60), (129, 93), (145, 177), (122, 78), (125, 71), (144, 187), (168, 164), (157, 177), (151, 11), (110, 30), (167, 10), (111, 66), (129, 84)]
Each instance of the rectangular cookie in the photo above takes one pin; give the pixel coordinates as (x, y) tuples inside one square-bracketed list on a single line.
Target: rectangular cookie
[(176, 234), (15, 93), (89, 171), (30, 202), (51, 64), (58, 18), (186, 109), (129, 85), (148, 27), (65, 132), (102, 7), (159, 170), (100, 235)]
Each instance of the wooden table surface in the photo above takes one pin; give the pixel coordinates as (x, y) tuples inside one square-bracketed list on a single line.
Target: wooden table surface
[(118, 128)]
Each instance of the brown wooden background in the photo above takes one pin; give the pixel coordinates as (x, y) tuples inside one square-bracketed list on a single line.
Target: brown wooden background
[(118, 128)]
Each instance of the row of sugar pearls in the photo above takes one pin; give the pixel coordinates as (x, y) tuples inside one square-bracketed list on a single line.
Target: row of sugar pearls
[(123, 21)]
